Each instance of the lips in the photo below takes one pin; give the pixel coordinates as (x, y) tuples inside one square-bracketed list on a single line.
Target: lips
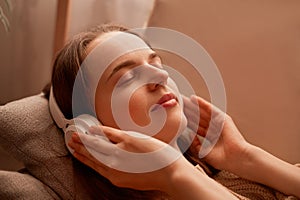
[(167, 100)]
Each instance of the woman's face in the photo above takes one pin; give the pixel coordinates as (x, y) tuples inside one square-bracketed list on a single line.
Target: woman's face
[(122, 75)]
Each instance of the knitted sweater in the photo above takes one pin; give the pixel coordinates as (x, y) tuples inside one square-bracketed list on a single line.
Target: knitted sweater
[(245, 189)]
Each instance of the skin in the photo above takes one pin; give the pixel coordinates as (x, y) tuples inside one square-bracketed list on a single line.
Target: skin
[(143, 98), (231, 152)]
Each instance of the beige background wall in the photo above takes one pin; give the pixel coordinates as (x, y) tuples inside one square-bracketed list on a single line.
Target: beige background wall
[(132, 13), (26, 51), (256, 45)]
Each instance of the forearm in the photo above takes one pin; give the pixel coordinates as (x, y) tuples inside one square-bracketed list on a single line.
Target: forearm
[(193, 185), (260, 166)]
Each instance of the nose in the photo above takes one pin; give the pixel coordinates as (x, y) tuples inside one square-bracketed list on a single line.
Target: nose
[(158, 78)]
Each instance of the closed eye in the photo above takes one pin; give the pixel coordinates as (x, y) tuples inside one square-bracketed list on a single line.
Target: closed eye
[(126, 78), (154, 59), (123, 65)]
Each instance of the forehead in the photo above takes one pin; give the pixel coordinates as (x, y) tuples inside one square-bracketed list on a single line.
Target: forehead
[(117, 39), (114, 46), (99, 40), (111, 47)]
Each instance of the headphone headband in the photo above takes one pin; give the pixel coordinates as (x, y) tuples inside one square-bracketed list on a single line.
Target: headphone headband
[(57, 115)]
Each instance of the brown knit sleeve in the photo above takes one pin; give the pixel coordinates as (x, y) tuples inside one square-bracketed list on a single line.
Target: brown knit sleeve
[(245, 189)]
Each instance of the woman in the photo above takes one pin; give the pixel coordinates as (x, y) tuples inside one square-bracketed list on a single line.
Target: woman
[(180, 179)]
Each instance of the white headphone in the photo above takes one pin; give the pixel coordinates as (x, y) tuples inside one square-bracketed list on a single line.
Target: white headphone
[(79, 124)]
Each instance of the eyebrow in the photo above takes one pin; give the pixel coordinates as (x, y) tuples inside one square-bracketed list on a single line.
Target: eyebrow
[(129, 63)]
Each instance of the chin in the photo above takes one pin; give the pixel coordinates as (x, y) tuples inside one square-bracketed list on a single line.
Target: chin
[(174, 126)]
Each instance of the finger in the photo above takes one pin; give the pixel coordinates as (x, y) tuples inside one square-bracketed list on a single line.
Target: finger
[(77, 145), (200, 148), (196, 145), (210, 108), (213, 134), (198, 129), (193, 110), (218, 116), (99, 158), (203, 119), (100, 144), (202, 103), (114, 135), (188, 104), (75, 138), (94, 154), (97, 166), (96, 130)]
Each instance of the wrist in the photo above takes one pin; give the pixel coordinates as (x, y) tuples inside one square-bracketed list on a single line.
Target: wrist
[(244, 160), (252, 163), (184, 181), (174, 174), (190, 183)]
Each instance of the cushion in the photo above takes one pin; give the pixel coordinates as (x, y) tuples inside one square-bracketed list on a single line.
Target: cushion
[(29, 134), (15, 185)]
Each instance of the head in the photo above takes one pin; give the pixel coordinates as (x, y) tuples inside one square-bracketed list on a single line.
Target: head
[(68, 62), (135, 78)]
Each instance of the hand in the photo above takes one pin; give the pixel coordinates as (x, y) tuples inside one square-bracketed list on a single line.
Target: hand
[(175, 179), (229, 144), (95, 152)]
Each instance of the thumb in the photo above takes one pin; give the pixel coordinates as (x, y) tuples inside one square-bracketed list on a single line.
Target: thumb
[(96, 131), (114, 135)]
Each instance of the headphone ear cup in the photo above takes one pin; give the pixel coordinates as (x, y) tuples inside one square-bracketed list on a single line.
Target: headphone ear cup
[(80, 125)]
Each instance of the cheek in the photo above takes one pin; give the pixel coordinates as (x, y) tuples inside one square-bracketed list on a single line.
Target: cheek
[(138, 108), (103, 110)]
